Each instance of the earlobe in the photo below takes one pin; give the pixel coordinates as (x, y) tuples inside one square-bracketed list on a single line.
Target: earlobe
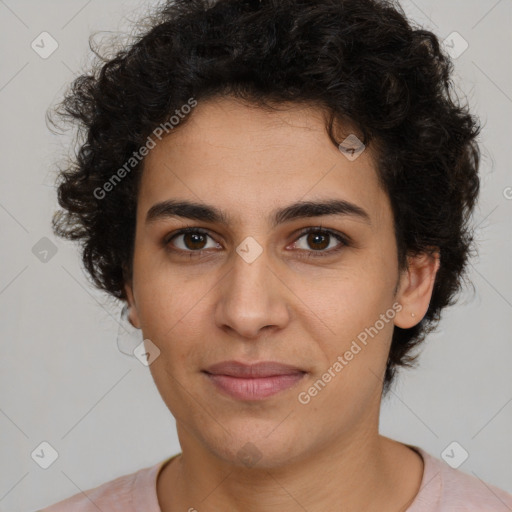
[(133, 316), (416, 288)]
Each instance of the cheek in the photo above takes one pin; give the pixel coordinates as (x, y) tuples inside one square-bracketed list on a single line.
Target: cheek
[(354, 354), (349, 299), (172, 322), (354, 312), (168, 297)]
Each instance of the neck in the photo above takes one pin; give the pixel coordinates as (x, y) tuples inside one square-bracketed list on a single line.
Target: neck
[(365, 471)]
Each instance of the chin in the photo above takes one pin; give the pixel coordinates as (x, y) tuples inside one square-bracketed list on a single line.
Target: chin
[(254, 444)]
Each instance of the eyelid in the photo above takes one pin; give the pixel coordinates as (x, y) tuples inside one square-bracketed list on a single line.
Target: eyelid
[(323, 230), (183, 231), (345, 241), (174, 234)]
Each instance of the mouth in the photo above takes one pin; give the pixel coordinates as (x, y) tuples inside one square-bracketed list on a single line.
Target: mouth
[(253, 381)]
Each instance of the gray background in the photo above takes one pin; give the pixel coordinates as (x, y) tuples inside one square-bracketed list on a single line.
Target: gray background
[(62, 378)]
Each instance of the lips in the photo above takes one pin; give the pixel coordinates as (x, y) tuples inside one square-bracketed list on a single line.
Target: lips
[(253, 381), (242, 370)]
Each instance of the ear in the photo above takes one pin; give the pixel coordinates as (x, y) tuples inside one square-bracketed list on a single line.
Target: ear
[(133, 316), (415, 288)]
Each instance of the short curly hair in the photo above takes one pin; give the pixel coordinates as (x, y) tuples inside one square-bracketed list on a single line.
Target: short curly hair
[(361, 61)]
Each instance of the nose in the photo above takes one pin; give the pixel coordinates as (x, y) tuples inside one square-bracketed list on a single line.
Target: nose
[(251, 298)]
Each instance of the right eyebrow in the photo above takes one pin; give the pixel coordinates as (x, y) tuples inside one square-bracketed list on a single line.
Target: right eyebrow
[(302, 209)]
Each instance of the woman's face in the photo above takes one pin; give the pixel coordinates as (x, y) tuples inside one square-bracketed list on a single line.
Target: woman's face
[(253, 287)]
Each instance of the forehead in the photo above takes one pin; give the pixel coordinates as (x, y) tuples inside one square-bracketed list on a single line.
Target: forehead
[(250, 160)]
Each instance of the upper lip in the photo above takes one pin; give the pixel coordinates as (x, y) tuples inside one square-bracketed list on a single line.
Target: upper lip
[(254, 370)]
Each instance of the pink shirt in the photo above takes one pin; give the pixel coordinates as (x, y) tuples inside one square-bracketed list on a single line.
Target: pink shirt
[(443, 489)]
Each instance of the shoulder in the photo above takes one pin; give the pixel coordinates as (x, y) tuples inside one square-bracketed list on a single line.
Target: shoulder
[(446, 489), (127, 493)]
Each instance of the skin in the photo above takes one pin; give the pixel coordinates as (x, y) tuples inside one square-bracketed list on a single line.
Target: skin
[(200, 310)]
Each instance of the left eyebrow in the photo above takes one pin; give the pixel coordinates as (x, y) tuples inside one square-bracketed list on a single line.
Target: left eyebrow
[(302, 209), (306, 209)]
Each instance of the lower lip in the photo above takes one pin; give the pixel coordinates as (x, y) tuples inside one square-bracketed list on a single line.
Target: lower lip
[(254, 388)]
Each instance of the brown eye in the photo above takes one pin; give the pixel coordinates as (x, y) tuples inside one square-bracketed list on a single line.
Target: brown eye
[(191, 240), (320, 241), (194, 241)]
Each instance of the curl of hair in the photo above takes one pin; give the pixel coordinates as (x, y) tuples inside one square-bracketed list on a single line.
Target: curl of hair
[(361, 61)]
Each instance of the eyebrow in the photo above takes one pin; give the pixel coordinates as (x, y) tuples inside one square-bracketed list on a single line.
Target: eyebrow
[(299, 210)]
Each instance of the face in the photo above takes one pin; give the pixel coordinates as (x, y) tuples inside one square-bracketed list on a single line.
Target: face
[(262, 282)]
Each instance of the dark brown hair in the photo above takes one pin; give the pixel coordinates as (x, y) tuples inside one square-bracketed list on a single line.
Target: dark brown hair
[(361, 60)]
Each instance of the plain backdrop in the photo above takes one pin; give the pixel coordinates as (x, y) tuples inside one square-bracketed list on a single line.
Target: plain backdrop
[(63, 380)]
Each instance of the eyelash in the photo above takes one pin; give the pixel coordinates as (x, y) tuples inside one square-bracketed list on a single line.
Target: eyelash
[(344, 242)]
